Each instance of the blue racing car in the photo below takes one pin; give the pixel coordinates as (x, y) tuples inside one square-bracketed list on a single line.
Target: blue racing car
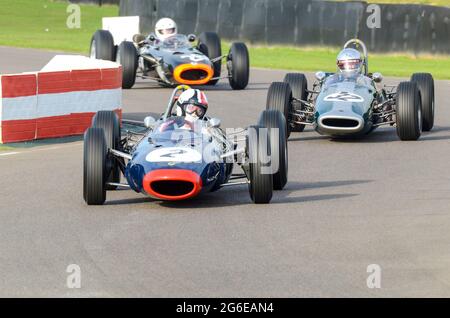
[(175, 160)]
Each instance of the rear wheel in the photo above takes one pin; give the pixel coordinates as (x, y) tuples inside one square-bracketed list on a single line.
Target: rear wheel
[(425, 83), (108, 121), (276, 124), (94, 166), (279, 97), (260, 176), (127, 56), (408, 113), (299, 86), (102, 46), (210, 45), (238, 63)]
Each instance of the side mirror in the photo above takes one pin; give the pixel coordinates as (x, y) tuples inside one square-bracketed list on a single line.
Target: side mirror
[(149, 121), (377, 77), (191, 38), (215, 122), (320, 76), (152, 37)]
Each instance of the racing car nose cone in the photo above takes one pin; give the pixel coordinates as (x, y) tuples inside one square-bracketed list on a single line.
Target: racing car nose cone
[(336, 122), (172, 184), (193, 74)]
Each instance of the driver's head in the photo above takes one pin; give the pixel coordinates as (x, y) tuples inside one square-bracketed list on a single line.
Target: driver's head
[(349, 61), (192, 104), (165, 28)]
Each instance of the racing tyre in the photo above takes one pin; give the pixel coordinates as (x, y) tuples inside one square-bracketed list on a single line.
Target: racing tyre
[(108, 121), (238, 64), (210, 45), (409, 114), (276, 124), (425, 84), (299, 86), (260, 176), (279, 97), (102, 46), (94, 166), (127, 56)]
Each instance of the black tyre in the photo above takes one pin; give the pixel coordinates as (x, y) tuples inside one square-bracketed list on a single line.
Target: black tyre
[(109, 122), (102, 46), (279, 97), (260, 176), (276, 123), (299, 86), (94, 166), (127, 56), (425, 83), (238, 63), (408, 112), (210, 45)]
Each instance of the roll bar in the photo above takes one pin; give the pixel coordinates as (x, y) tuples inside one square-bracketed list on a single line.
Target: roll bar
[(168, 112), (358, 44)]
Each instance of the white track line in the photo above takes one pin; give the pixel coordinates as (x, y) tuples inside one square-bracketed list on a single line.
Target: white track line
[(8, 154), (43, 148)]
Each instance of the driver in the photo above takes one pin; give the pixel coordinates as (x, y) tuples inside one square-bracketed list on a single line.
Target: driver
[(192, 105), (349, 61), (165, 28)]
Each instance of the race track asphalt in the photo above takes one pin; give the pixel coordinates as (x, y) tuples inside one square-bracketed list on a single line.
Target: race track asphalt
[(348, 204)]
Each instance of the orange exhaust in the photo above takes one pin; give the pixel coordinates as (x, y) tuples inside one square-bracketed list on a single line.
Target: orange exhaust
[(183, 72), (172, 184)]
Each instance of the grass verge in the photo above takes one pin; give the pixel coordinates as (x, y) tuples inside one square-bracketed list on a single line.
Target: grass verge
[(428, 2), (4, 148), (42, 24), (324, 59)]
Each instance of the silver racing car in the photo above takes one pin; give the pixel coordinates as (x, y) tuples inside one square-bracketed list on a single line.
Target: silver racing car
[(352, 102)]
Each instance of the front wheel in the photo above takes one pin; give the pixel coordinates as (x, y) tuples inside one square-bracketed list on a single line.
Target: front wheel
[(94, 166), (275, 122), (209, 44), (279, 97), (108, 121), (127, 56), (260, 173), (425, 83), (238, 63), (408, 112), (102, 46), (299, 87)]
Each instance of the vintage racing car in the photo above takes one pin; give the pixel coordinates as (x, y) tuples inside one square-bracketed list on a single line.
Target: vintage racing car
[(339, 105), (174, 60), (169, 162)]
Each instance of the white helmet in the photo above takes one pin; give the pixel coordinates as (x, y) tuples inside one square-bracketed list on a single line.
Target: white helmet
[(349, 60), (192, 104), (165, 28)]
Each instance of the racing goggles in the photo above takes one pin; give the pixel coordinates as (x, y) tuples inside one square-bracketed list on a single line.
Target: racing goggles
[(167, 31), (192, 108), (349, 65)]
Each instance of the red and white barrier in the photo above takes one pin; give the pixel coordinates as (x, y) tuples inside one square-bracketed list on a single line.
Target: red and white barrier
[(59, 100)]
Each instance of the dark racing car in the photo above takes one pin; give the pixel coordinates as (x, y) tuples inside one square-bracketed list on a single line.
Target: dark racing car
[(350, 103), (170, 160), (174, 60)]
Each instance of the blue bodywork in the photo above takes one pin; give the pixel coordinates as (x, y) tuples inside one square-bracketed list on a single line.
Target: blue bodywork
[(170, 145)]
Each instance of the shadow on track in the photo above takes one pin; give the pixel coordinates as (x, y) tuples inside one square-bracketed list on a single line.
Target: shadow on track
[(238, 195), (380, 135)]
